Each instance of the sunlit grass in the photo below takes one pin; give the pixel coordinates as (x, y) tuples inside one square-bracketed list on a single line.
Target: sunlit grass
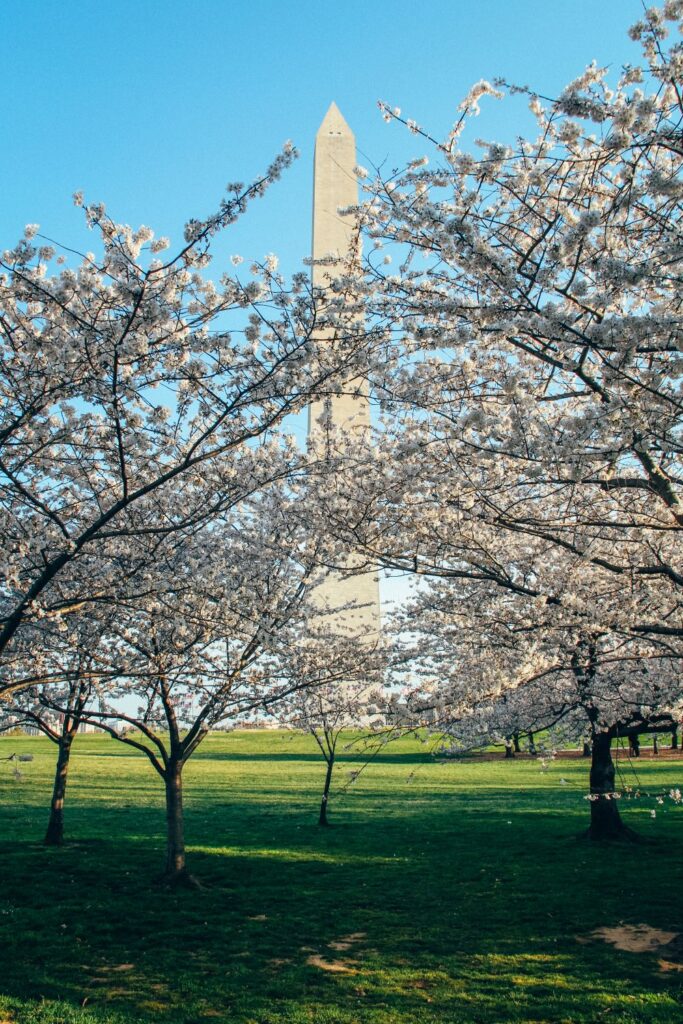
[(463, 883)]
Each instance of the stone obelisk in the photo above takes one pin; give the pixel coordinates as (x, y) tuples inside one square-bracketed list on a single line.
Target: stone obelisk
[(353, 600)]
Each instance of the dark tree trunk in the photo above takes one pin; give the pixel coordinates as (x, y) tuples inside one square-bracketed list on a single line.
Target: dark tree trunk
[(322, 819), (55, 828), (633, 744), (509, 748), (532, 745), (515, 740), (175, 828), (655, 745), (586, 751), (606, 821), (674, 740)]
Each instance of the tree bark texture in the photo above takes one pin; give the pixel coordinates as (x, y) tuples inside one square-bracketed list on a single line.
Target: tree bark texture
[(175, 827), (322, 819), (55, 828), (606, 821)]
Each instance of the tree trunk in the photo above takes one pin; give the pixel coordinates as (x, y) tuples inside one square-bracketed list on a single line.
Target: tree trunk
[(322, 819), (606, 821), (509, 748), (674, 740), (55, 828), (586, 751), (532, 744), (515, 740), (655, 745), (175, 828)]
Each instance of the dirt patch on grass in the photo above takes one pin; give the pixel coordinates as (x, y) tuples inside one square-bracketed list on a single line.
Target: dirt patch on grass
[(642, 938), (646, 754), (634, 938), (346, 941), (333, 966), (341, 945), (667, 966)]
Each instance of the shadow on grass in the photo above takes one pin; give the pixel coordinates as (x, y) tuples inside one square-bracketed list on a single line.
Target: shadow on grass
[(344, 757), (347, 756), (458, 916)]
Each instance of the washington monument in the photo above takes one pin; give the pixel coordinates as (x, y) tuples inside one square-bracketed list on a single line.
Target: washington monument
[(335, 187)]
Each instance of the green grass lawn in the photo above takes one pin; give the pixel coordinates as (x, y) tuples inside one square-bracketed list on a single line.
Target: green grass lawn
[(462, 886)]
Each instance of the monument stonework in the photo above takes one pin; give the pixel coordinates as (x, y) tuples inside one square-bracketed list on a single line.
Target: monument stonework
[(353, 600)]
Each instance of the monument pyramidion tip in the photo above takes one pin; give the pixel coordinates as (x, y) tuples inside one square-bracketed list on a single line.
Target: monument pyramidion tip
[(333, 122)]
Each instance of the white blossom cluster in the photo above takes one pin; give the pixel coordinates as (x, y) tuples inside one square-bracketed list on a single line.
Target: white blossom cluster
[(527, 471)]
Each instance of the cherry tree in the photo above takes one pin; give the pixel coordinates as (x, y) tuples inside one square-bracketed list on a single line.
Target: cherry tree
[(131, 379), (35, 707), (529, 454), (216, 627), (351, 698), (62, 688), (532, 360), (494, 662)]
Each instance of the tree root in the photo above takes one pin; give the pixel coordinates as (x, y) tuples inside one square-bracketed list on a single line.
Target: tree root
[(180, 880), (622, 835)]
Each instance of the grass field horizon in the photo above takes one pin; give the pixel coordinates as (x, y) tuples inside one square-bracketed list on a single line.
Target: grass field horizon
[(443, 892)]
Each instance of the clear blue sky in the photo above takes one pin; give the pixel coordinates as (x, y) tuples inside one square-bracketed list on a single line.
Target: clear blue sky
[(153, 105)]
